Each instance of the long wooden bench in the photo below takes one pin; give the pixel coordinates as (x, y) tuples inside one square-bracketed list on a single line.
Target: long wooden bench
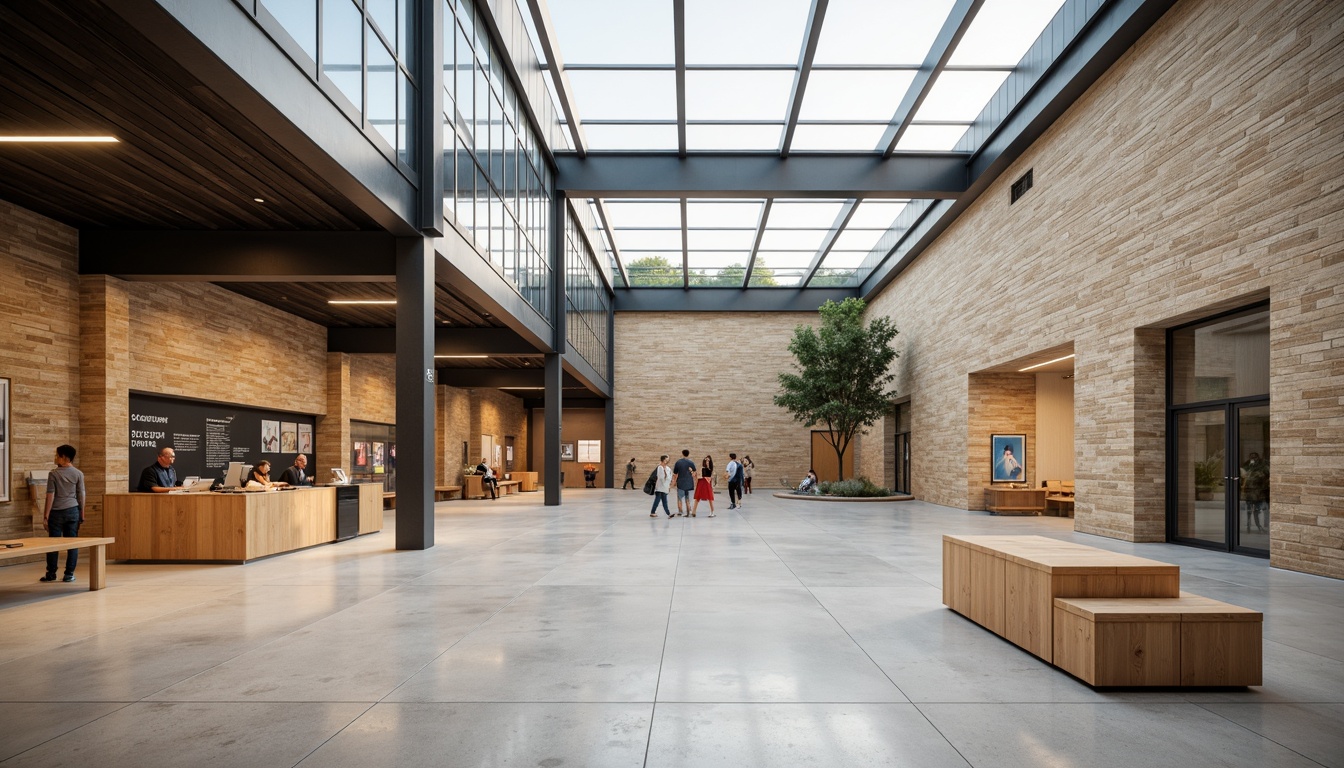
[(389, 499), (97, 547), (1182, 641), (445, 492), (508, 486)]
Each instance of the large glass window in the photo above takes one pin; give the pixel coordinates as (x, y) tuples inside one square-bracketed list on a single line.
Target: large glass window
[(343, 49), (299, 18), (382, 102), (1222, 359)]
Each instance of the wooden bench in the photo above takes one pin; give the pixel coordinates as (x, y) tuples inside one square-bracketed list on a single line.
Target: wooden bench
[(1059, 497), (97, 553), (389, 499), (1181, 641), (508, 486), (445, 492)]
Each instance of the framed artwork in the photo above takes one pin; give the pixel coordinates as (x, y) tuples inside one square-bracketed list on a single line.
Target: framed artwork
[(5, 453), (270, 436), (378, 449), (305, 438), (289, 437), (1008, 458), (590, 451), (566, 451)]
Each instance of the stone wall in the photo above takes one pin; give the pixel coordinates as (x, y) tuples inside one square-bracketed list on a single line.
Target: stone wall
[(1201, 173)]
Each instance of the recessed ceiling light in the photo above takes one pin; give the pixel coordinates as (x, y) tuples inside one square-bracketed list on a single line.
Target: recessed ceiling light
[(1047, 362), (461, 357), (362, 301), (59, 139), (258, 199)]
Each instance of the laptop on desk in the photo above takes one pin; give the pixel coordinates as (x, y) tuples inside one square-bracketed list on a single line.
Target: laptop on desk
[(197, 484)]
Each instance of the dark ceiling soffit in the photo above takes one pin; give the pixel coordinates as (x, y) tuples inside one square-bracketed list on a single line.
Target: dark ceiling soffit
[(495, 378), (576, 366), (1118, 25), (708, 174), (462, 269), (567, 403), (963, 13), (252, 257), (291, 94), (816, 15), (497, 342), (727, 299)]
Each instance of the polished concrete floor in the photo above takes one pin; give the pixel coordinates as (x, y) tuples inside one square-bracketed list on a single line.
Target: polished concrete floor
[(792, 633)]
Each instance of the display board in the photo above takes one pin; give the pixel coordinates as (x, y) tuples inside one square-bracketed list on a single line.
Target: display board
[(206, 436)]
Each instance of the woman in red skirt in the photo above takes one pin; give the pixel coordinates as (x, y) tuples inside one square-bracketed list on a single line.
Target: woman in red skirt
[(704, 491)]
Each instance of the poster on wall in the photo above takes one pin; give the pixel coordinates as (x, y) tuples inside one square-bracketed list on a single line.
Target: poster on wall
[(305, 438), (270, 436), (1008, 458), (289, 437), (361, 455), (5, 494), (206, 435), (590, 451), (566, 451), (378, 449)]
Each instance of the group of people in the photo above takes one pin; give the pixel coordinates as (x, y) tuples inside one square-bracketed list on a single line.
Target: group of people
[(694, 486), (161, 476)]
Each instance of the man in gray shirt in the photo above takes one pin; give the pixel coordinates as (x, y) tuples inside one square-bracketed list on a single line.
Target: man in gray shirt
[(65, 509)]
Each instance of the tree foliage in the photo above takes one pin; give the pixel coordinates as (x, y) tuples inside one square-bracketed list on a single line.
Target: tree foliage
[(842, 374)]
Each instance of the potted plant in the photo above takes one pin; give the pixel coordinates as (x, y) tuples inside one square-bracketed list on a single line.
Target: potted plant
[(1208, 476)]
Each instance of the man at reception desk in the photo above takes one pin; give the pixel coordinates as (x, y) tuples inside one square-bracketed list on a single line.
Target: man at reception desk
[(159, 477), (296, 475)]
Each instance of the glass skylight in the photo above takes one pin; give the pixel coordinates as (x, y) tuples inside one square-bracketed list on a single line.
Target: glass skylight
[(743, 31)]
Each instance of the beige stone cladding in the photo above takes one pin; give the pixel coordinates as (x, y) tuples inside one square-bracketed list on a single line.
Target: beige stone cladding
[(498, 413), (997, 404), (39, 353), (706, 381), (1201, 173)]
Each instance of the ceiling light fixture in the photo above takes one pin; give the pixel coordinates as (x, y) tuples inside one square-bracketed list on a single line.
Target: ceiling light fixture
[(258, 199), (383, 302), (520, 387), (59, 139), (1047, 362), (461, 357)]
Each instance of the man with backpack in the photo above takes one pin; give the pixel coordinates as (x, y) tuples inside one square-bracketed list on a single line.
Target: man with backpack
[(736, 478)]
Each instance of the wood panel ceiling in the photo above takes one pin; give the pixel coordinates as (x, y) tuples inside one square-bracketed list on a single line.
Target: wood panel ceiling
[(186, 159), (310, 301)]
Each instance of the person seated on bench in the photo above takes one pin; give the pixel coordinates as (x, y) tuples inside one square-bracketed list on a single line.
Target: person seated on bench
[(809, 484), (488, 480)]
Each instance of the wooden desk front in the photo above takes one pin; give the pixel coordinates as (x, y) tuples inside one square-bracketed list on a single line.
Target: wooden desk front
[(1014, 501), (234, 527)]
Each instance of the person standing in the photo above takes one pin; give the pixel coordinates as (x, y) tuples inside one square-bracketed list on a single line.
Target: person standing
[(704, 491), (661, 486), (684, 469), (629, 475), (64, 510), (707, 468), (747, 467), (160, 477), (734, 472)]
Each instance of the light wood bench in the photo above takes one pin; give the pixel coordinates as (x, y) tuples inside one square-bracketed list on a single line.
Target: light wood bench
[(445, 492), (97, 553), (1181, 641), (508, 486), (1059, 497), (389, 499)]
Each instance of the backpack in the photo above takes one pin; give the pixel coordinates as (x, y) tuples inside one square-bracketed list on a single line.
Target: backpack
[(652, 483)]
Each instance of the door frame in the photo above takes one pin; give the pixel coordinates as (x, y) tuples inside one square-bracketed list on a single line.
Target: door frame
[(1231, 473)]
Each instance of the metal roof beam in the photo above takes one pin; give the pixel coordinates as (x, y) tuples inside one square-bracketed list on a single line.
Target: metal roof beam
[(958, 20), (936, 175), (495, 342), (541, 20), (679, 47), (841, 221), (815, 16), (727, 299), (234, 257), (756, 244), (605, 220)]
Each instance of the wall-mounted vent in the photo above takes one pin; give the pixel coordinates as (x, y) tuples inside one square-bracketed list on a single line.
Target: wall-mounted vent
[(1020, 187)]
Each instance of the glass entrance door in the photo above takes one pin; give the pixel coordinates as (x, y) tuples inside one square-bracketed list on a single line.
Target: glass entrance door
[(1251, 521), (902, 463), (1221, 477)]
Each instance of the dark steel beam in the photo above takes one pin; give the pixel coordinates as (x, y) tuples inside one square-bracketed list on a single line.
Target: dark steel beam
[(958, 20), (541, 21), (429, 119), (572, 402), (685, 249), (495, 342), (679, 49), (727, 299), (756, 243), (580, 371), (605, 220), (474, 278), (1117, 26), (497, 378), (252, 257), (415, 393), (841, 220), (816, 15), (714, 175)]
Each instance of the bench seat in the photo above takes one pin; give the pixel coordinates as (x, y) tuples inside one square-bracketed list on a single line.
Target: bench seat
[(1173, 641), (36, 546), (445, 492)]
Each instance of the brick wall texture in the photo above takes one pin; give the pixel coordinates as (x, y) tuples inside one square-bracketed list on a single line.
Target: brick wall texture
[(706, 381), (1201, 173)]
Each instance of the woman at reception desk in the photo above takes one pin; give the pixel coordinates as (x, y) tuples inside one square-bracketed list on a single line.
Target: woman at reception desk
[(232, 527)]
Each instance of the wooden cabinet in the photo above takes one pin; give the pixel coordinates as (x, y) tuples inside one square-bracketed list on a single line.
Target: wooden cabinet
[(1015, 501)]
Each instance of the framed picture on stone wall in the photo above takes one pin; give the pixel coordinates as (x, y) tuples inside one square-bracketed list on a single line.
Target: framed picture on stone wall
[(1008, 458), (566, 451), (5, 432)]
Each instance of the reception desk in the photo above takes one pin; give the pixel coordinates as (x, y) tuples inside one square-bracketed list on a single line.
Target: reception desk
[(229, 527)]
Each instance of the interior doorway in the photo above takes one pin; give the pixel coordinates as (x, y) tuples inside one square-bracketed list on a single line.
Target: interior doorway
[(824, 461)]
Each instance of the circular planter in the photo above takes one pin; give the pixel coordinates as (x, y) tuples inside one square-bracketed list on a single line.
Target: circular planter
[(810, 497)]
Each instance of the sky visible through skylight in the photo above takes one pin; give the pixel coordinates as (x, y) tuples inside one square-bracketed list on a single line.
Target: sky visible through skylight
[(742, 60)]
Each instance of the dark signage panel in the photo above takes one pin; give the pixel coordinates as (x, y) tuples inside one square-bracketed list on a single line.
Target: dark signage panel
[(207, 436)]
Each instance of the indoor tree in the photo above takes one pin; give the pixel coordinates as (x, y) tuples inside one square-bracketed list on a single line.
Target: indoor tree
[(842, 373)]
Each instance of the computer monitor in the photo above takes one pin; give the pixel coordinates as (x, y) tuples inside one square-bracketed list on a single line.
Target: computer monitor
[(339, 476), (233, 476)]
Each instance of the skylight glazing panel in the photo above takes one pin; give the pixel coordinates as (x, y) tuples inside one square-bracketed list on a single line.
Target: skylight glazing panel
[(1003, 31), (931, 138), (624, 94), (752, 94), (817, 214), (649, 240), (858, 239), (879, 214), (713, 260), (621, 137), (613, 31), (805, 240), (960, 95), (733, 137), (768, 277), (743, 31), (744, 214), (854, 94), (887, 32), (641, 214), (837, 259), (720, 239), (784, 259)]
